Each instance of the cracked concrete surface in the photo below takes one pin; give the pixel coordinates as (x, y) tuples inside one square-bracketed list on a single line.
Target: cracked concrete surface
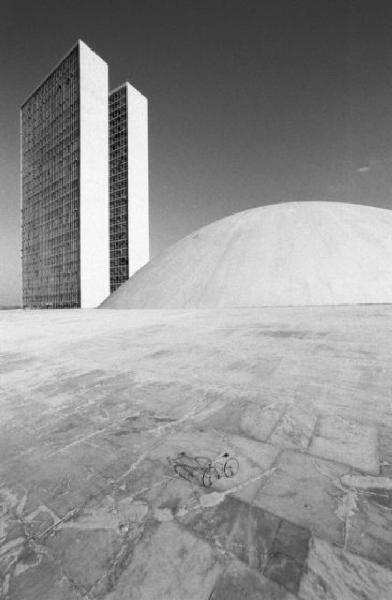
[(93, 403)]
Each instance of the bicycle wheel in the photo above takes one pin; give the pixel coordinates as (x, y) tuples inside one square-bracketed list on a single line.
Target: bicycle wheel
[(210, 475), (184, 471), (231, 467)]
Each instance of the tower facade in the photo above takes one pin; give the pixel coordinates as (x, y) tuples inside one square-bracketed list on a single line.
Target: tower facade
[(65, 175), (128, 154)]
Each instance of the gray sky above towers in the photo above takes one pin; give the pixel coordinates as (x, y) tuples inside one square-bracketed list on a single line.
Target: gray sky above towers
[(251, 102)]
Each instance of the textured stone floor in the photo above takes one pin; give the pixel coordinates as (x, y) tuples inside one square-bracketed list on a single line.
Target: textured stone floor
[(92, 404)]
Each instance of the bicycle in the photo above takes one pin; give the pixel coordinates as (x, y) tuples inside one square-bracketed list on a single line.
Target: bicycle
[(207, 470)]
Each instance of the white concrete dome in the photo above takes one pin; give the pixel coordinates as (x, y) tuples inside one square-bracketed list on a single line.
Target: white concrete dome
[(289, 254)]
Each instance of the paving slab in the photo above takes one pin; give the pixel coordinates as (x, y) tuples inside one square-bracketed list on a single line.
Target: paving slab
[(237, 581), (369, 526), (295, 429), (334, 574), (56, 482), (168, 563), (304, 489), (288, 555), (347, 442), (35, 577), (258, 422), (242, 530), (385, 449), (85, 554), (258, 538), (245, 417), (96, 405)]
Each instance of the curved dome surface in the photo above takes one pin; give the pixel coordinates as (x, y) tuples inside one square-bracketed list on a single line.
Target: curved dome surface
[(289, 254)]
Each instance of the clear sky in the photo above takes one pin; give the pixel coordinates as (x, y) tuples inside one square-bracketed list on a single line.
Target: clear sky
[(251, 102)]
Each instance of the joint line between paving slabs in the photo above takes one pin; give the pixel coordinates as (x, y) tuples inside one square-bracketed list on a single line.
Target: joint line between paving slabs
[(314, 431), (279, 420)]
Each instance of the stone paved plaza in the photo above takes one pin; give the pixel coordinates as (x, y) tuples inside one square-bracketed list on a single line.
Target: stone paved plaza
[(96, 404)]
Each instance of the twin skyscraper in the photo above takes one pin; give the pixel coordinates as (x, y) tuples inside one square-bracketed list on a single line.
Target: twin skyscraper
[(84, 153)]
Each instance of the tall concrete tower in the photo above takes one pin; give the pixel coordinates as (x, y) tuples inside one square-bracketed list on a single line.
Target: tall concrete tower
[(129, 223), (65, 177)]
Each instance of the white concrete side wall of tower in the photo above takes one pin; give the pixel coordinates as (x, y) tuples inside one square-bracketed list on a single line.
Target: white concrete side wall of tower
[(138, 211), (94, 178)]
